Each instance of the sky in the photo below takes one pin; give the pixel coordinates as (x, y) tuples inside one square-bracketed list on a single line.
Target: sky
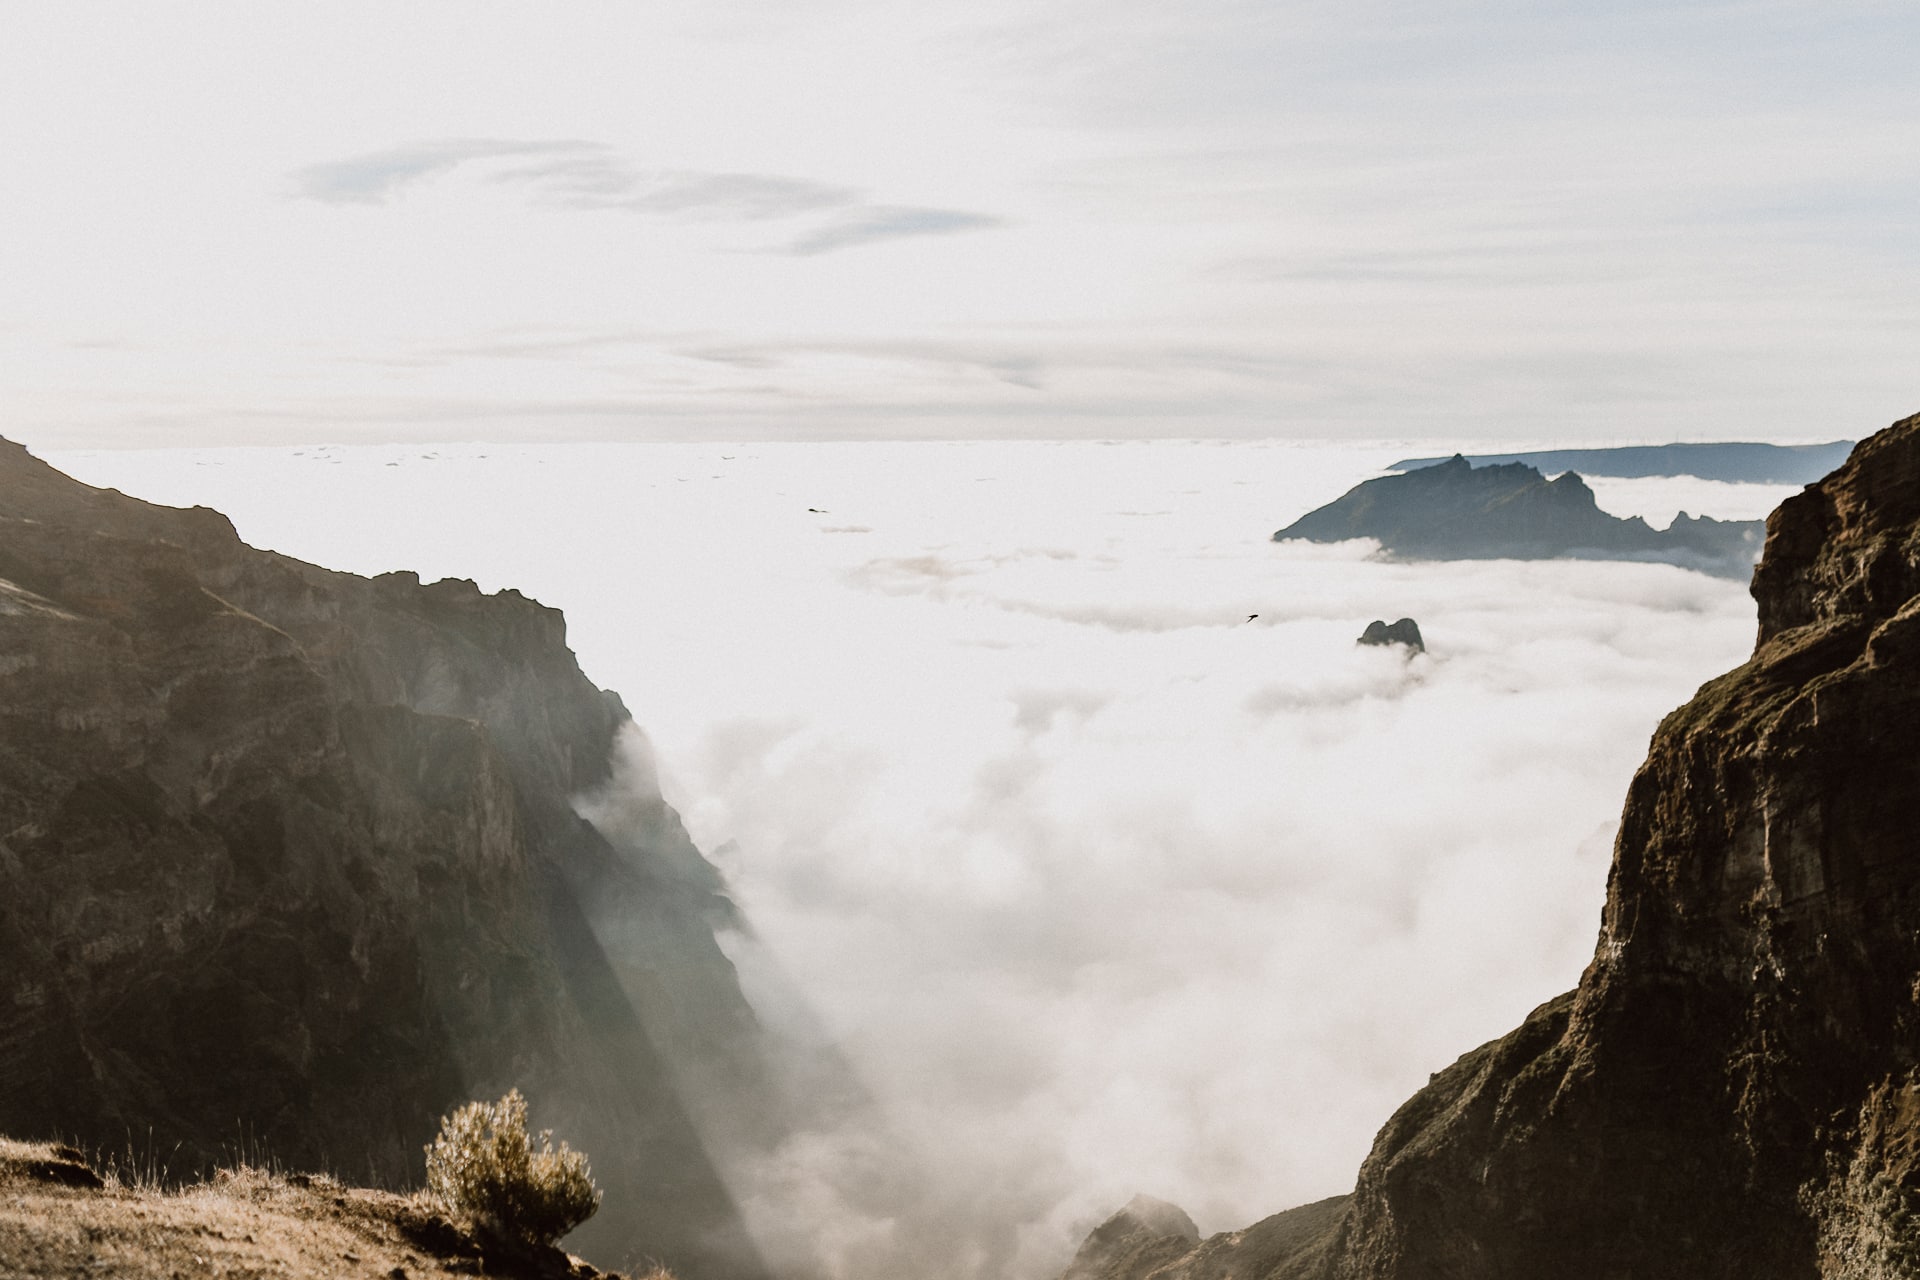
[(1060, 800), (1603, 221)]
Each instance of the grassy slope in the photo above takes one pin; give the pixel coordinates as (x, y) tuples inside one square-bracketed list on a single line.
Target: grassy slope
[(59, 1218)]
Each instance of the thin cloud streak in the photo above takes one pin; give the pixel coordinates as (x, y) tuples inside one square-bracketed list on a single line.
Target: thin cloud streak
[(877, 223), (571, 174), (378, 176), (599, 180)]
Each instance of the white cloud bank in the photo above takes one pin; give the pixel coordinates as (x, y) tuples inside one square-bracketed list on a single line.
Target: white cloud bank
[(1100, 887)]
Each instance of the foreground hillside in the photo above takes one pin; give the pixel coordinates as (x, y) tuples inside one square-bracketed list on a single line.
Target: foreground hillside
[(1733, 1091), (59, 1217), (289, 860)]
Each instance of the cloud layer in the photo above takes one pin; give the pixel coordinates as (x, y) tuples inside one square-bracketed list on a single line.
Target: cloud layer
[(1100, 887)]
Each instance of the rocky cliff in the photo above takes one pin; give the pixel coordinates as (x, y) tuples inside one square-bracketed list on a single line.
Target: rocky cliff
[(1733, 1091), (1457, 511), (289, 862)]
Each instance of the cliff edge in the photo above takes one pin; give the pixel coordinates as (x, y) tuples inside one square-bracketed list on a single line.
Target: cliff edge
[(289, 865), (1733, 1090)]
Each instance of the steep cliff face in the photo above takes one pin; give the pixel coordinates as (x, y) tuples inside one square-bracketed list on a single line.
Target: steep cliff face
[(288, 859), (1734, 1088)]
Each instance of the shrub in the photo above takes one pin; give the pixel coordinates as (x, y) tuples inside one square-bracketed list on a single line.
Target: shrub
[(484, 1167)]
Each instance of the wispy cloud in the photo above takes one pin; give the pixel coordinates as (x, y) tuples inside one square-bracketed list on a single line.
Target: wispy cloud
[(378, 176), (600, 180), (875, 223), (1019, 364), (1015, 365), (573, 174)]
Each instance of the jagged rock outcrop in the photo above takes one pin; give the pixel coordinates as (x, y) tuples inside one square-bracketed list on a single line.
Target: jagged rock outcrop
[(289, 866), (1404, 632), (1134, 1241), (1457, 511), (1292, 1245), (1733, 1091)]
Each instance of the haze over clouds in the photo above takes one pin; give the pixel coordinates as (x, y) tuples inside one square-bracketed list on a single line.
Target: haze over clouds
[(232, 223), (1099, 886)]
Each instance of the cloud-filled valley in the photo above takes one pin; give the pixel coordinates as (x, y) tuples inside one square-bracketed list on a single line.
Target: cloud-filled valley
[(1099, 885)]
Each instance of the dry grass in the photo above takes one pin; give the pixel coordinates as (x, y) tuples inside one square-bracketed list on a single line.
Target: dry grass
[(242, 1223)]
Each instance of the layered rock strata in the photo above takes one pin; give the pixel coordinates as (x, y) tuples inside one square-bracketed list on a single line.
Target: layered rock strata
[(289, 867), (1733, 1091)]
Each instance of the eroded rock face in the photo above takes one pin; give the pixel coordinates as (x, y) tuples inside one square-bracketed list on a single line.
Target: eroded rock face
[(289, 867), (1733, 1091)]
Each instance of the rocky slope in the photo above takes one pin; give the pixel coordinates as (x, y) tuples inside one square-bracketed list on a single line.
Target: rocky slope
[(1733, 1091), (1457, 511), (289, 861)]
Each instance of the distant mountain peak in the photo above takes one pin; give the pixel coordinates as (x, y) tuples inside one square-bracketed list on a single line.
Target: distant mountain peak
[(1457, 511), (1734, 462)]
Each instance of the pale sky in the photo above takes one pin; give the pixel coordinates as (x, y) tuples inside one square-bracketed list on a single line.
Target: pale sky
[(246, 223)]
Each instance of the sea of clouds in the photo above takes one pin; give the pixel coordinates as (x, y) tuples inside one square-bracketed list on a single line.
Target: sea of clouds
[(1101, 883)]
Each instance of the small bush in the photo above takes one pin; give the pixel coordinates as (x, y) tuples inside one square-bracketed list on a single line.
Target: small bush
[(484, 1167)]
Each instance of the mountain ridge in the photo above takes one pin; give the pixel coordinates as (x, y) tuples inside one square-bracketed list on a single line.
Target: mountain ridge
[(1457, 511), (1732, 462)]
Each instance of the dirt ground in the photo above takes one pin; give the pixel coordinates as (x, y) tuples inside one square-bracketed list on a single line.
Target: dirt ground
[(58, 1217)]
